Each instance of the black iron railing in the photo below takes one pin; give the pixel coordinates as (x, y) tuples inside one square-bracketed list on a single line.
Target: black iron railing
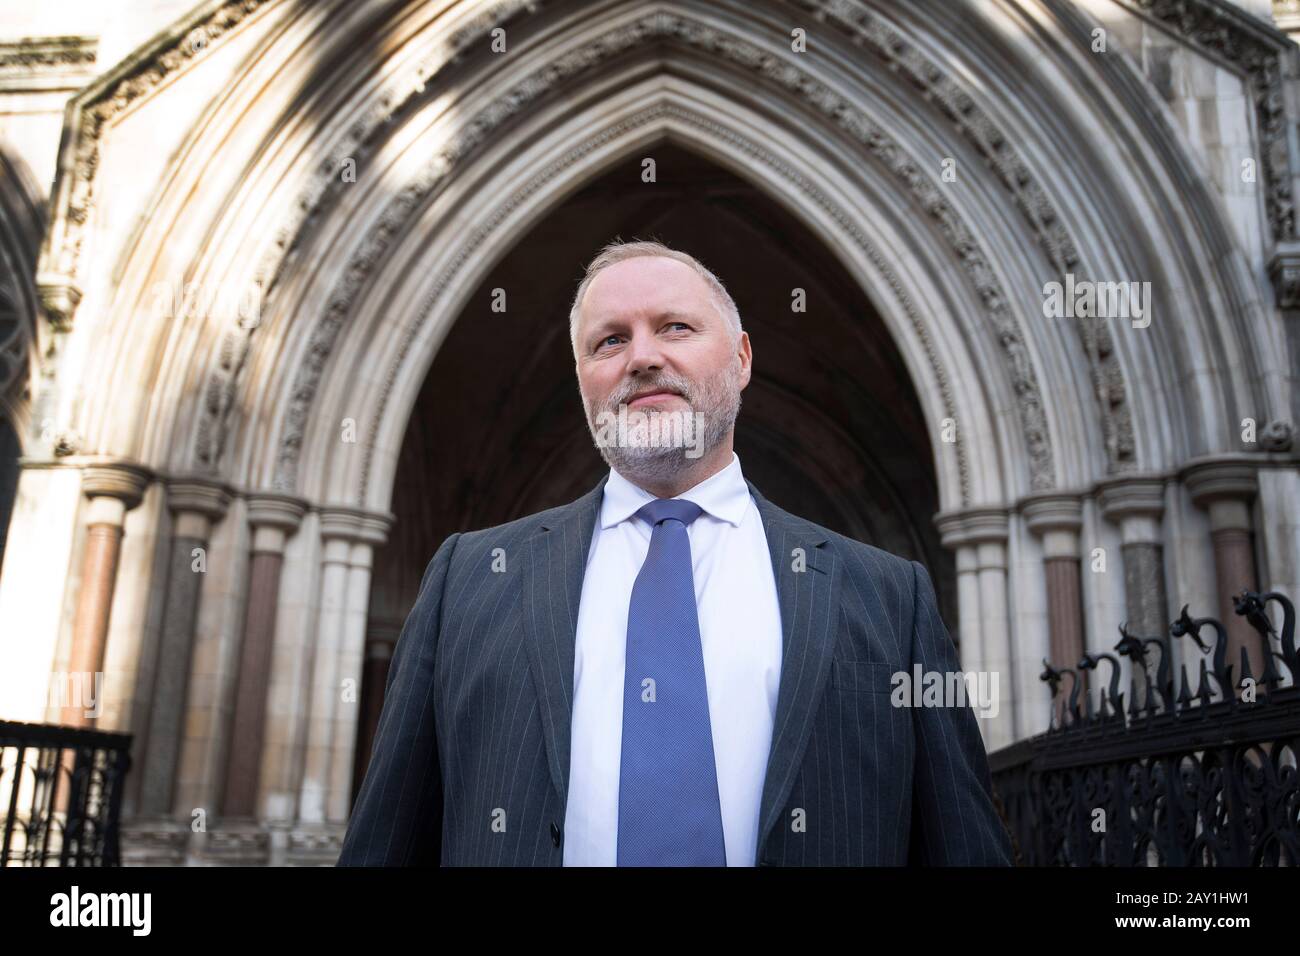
[(60, 795), (1184, 774)]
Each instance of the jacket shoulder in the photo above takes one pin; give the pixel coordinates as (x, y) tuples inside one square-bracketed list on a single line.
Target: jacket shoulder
[(516, 531), (857, 554)]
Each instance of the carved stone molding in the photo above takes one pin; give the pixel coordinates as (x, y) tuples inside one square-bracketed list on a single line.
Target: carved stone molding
[(154, 842), (234, 843), (31, 54), (47, 64), (123, 480), (400, 95), (59, 299), (972, 526), (1284, 271), (1219, 478), (1276, 436), (197, 504), (1137, 496), (1257, 50), (355, 525), (659, 26), (490, 223), (946, 94), (1286, 14), (267, 510), (1055, 512), (89, 113)]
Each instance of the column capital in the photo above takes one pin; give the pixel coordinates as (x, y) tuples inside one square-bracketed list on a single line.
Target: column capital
[(972, 526), (1134, 496), (1052, 511), (197, 495), (271, 510), (273, 518), (1221, 478), (124, 481), (341, 522)]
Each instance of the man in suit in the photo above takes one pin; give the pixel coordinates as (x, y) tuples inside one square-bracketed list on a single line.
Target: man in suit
[(670, 670)]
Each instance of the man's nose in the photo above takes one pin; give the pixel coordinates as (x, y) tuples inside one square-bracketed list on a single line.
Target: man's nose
[(644, 354)]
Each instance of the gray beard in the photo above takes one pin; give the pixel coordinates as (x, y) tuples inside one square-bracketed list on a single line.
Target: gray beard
[(716, 402)]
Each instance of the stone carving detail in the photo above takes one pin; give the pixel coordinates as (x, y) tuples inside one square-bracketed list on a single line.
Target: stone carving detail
[(1201, 22), (649, 28), (1258, 54), (61, 257), (403, 94), (649, 115), (1285, 273), (219, 395), (46, 53), (1276, 436), (1033, 202)]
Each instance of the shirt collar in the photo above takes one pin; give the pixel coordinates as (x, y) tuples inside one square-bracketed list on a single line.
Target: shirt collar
[(724, 495)]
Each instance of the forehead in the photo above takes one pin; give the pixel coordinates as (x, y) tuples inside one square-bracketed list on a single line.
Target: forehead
[(646, 285)]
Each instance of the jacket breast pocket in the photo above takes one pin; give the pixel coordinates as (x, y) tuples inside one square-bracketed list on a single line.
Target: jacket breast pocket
[(862, 677)]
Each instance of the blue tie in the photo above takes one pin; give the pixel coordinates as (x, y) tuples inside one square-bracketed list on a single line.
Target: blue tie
[(669, 813)]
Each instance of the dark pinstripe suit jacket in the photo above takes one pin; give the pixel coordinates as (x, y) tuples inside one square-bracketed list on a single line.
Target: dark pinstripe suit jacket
[(471, 760)]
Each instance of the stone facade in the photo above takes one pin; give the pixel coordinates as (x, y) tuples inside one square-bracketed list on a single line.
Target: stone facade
[(243, 242)]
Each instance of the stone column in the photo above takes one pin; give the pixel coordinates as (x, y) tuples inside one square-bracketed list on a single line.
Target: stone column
[(347, 723), (196, 505), (1137, 505), (113, 488), (1225, 488), (1056, 521), (982, 533), (273, 518), (349, 537)]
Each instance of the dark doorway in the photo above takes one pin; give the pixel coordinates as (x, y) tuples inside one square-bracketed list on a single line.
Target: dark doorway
[(830, 427)]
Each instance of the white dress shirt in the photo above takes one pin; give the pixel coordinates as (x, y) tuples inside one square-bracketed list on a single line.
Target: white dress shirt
[(740, 630)]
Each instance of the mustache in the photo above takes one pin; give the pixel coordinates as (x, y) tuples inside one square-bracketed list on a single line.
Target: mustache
[(664, 382)]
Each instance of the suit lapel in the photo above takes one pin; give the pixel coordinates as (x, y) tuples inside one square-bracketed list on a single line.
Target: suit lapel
[(807, 584), (554, 565)]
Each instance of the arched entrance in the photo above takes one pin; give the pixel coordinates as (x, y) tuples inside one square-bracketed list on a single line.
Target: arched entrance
[(830, 426), (919, 172)]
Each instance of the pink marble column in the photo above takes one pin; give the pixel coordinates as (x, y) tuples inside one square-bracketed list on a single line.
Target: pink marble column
[(273, 518), (1056, 521), (1225, 488), (113, 489)]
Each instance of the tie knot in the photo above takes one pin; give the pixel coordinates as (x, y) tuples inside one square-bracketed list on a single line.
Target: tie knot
[(662, 509)]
